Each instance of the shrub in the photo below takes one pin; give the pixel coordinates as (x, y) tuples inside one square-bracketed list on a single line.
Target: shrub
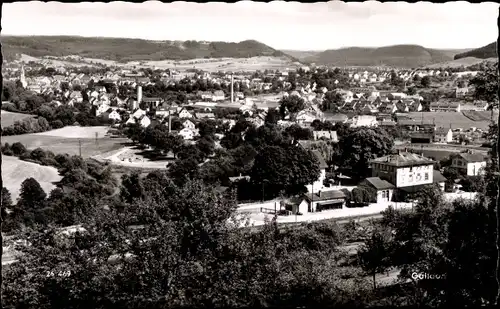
[(57, 124), (38, 154), (26, 156), (18, 149)]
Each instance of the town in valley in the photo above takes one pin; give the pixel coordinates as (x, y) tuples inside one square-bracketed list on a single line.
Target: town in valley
[(152, 173)]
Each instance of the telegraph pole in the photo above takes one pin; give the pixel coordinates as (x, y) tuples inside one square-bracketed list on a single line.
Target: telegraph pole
[(80, 146)]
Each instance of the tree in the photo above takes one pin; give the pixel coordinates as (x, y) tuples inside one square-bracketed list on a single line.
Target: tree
[(360, 146), (291, 105), (287, 168), (18, 149), (207, 128), (374, 255), (412, 91), (364, 195), (332, 101), (425, 81), (296, 132), (272, 116)]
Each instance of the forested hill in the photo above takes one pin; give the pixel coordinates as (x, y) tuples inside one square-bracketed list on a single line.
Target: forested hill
[(122, 49), (410, 56), (488, 51)]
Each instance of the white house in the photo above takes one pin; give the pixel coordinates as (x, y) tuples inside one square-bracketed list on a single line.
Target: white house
[(318, 184), (144, 121), (442, 135), (138, 113), (364, 121), (188, 124), (218, 96), (114, 115), (385, 189), (185, 114), (187, 133), (404, 169), (321, 200), (101, 109), (472, 164), (329, 135), (304, 117), (445, 107)]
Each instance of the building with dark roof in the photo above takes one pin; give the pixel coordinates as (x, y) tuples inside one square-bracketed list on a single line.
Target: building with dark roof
[(321, 200), (403, 169), (385, 189), (469, 163)]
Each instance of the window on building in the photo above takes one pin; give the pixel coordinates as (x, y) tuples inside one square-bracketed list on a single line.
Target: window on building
[(410, 178), (383, 194), (426, 176)]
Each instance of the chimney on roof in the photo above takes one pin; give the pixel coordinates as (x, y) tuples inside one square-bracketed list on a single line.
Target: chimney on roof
[(232, 88)]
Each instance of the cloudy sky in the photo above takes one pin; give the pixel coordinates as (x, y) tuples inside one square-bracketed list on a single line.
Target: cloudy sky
[(281, 25)]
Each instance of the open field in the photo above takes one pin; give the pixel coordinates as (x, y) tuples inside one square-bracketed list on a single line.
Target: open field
[(468, 61), (61, 145), (209, 65), (69, 139), (8, 118), (480, 115), (15, 171), (77, 132), (449, 119)]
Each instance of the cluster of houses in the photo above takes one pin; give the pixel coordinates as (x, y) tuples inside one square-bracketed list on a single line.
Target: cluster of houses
[(381, 76), (394, 178)]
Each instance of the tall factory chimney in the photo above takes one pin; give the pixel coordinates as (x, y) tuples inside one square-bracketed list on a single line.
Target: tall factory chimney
[(139, 95), (232, 88)]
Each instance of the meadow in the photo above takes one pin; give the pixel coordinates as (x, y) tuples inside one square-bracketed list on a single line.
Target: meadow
[(451, 120), (70, 140), (8, 118), (15, 171)]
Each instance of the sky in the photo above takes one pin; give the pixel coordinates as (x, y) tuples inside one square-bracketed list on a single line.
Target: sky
[(279, 24)]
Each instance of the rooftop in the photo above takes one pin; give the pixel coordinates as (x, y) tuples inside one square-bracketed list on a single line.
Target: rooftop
[(378, 183), (403, 159), (325, 195)]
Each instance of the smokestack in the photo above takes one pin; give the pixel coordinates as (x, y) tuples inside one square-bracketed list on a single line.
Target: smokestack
[(139, 94), (169, 123), (232, 88)]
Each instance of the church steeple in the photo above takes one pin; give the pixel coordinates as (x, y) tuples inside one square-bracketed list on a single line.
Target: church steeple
[(23, 77)]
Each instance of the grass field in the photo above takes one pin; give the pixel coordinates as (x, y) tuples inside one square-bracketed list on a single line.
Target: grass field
[(15, 171), (449, 119), (69, 139), (480, 115), (8, 118), (209, 65)]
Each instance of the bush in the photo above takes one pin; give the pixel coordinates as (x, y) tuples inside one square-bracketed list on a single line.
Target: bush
[(57, 124), (18, 149), (26, 156)]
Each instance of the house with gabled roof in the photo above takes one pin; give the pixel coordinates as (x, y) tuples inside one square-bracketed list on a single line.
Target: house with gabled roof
[(184, 113), (385, 189), (469, 163), (407, 171)]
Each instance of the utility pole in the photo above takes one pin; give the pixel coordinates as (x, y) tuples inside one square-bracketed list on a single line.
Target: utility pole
[(80, 146)]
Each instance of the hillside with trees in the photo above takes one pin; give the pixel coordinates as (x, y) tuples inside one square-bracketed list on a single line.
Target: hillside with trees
[(124, 49), (409, 56), (485, 52)]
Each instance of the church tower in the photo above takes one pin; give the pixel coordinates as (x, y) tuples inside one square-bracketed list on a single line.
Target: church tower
[(23, 77)]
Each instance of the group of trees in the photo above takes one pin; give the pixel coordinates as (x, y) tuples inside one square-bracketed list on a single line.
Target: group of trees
[(84, 183)]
